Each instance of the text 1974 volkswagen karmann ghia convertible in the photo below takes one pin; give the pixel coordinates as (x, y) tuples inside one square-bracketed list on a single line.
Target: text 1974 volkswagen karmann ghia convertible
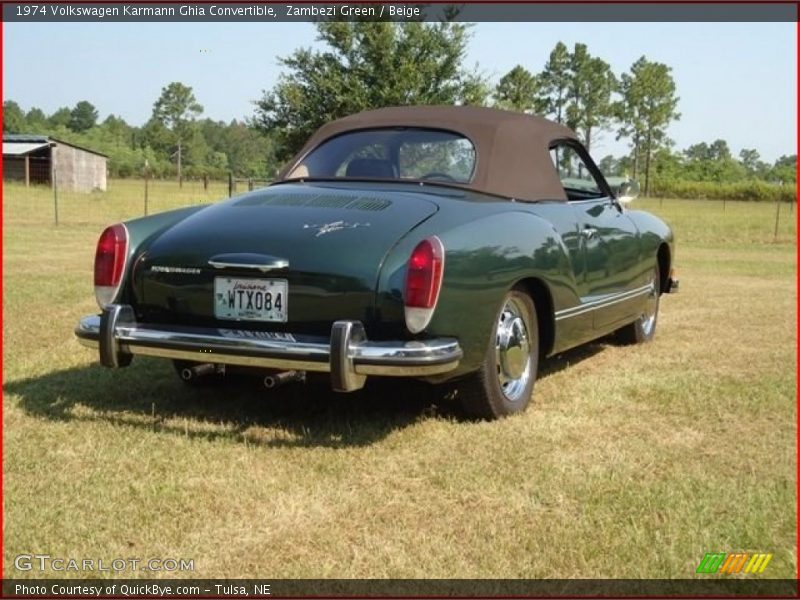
[(440, 243)]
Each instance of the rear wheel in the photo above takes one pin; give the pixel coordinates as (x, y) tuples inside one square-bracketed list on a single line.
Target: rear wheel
[(504, 383), (644, 328)]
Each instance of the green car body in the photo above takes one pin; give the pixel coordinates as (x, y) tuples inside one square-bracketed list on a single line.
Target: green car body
[(544, 274)]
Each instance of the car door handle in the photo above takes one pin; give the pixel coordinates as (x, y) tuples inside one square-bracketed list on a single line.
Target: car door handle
[(588, 232)]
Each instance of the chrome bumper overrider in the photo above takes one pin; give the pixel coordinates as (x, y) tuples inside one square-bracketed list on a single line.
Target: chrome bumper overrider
[(348, 356)]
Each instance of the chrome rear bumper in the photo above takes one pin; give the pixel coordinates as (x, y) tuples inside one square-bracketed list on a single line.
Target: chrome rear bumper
[(348, 356)]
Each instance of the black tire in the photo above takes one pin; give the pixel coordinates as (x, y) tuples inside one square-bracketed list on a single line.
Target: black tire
[(205, 380), (504, 383), (643, 329)]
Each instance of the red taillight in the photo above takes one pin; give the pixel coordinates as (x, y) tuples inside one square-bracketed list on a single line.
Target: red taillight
[(109, 262), (423, 282), (424, 276)]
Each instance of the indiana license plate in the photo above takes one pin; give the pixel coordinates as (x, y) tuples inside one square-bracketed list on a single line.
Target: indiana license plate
[(251, 299)]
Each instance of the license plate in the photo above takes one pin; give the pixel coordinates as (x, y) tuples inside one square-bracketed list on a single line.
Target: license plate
[(251, 299)]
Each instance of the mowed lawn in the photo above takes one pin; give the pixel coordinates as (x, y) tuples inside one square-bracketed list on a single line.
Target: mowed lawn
[(631, 462)]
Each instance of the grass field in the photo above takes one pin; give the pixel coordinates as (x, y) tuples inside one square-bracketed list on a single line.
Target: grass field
[(632, 462)]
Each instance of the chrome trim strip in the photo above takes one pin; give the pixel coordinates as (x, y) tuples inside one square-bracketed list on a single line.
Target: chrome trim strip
[(610, 300), (586, 200), (280, 263), (360, 357)]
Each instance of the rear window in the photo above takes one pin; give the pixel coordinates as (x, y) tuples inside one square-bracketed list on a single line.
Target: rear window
[(397, 153)]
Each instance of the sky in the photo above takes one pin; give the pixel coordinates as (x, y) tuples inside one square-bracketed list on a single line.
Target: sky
[(736, 81)]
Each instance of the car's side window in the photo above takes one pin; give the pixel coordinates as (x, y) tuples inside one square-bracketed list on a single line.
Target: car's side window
[(447, 158), (578, 180)]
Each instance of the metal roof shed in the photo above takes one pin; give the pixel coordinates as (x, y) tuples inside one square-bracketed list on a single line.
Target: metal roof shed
[(42, 160)]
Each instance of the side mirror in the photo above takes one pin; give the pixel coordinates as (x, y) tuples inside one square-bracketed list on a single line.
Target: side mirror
[(628, 191)]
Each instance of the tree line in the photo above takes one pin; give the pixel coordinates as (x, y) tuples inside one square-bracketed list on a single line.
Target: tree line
[(373, 64), (369, 64), (175, 141)]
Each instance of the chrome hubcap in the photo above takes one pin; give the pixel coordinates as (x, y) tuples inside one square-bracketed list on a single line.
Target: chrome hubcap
[(512, 351), (651, 306)]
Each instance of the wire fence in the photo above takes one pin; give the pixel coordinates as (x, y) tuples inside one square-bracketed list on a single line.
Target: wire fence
[(124, 199), (237, 186)]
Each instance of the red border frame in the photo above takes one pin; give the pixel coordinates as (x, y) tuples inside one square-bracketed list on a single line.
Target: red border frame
[(796, 3), (2, 374), (797, 321)]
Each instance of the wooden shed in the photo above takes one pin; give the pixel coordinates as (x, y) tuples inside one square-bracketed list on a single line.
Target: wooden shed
[(38, 160)]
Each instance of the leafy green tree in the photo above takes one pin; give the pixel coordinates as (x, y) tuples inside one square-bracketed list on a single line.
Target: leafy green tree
[(197, 153), (698, 152), (248, 152), (785, 169), (554, 83), (517, 90), (83, 117), (60, 118), (667, 167), (13, 117), (119, 130), (155, 135), (609, 166), (36, 120), (475, 90), (751, 161), (712, 162), (590, 87), (719, 150), (365, 65), (647, 108), (176, 109)]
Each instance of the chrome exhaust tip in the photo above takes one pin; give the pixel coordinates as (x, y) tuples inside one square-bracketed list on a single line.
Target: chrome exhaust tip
[(190, 373), (276, 380)]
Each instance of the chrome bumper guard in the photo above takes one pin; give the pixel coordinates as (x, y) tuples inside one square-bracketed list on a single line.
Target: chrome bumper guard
[(348, 356)]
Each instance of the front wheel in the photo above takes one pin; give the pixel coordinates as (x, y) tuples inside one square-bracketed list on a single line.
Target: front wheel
[(644, 328), (504, 383)]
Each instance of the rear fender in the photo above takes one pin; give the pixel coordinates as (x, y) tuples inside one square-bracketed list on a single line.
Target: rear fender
[(483, 260), (140, 232), (654, 234)]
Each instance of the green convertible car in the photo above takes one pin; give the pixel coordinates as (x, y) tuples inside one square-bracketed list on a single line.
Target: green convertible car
[(449, 244)]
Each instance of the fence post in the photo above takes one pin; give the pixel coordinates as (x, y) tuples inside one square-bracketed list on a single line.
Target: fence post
[(146, 190), (230, 184), (205, 182), (249, 184), (777, 219), (55, 195)]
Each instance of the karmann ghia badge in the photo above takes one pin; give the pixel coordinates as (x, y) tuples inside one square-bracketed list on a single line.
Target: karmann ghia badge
[(335, 226)]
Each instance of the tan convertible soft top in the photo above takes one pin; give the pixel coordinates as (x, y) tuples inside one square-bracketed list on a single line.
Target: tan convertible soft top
[(512, 149)]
